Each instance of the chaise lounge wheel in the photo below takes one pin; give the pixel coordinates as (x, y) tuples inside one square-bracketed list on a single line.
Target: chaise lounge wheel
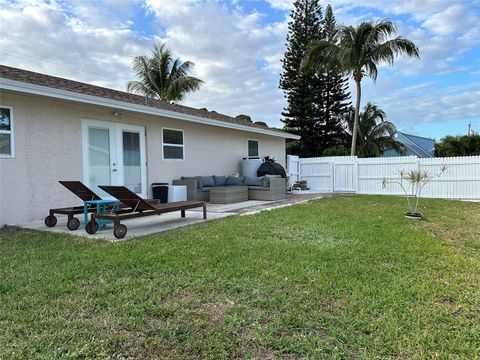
[(120, 231), (73, 224), (92, 227), (50, 221)]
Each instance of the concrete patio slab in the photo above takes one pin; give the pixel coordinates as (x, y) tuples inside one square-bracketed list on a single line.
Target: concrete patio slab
[(291, 199), (233, 208), (253, 206), (136, 227), (170, 221)]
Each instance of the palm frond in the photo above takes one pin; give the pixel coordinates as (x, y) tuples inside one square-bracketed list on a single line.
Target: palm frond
[(390, 143), (373, 111), (179, 87), (163, 76), (137, 87), (383, 129), (371, 69), (375, 134), (321, 55), (390, 49), (382, 30), (360, 49), (182, 69)]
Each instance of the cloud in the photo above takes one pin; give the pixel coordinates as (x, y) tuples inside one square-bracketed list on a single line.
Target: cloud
[(446, 22), (115, 13), (433, 25), (45, 37), (237, 51), (281, 4), (446, 44), (168, 8), (236, 56), (429, 103)]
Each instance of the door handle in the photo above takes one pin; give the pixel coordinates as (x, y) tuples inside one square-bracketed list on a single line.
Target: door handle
[(114, 170)]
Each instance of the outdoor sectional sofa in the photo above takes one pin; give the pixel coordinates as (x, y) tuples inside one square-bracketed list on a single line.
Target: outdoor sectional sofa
[(270, 187)]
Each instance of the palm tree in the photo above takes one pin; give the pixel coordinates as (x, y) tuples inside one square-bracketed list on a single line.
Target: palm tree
[(162, 76), (375, 134), (466, 145), (358, 51)]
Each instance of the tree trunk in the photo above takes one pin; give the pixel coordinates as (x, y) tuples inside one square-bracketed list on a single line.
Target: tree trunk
[(355, 122)]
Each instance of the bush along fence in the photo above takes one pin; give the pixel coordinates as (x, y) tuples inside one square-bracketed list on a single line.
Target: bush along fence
[(460, 180)]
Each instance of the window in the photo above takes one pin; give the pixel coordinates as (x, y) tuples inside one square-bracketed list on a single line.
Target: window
[(172, 143), (252, 147), (6, 132)]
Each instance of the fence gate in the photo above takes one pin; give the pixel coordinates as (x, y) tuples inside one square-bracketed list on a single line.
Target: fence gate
[(461, 180), (318, 172), (327, 174), (293, 169), (344, 175)]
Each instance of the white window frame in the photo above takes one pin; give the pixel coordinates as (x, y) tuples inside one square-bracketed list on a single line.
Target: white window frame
[(175, 145), (11, 133), (258, 147)]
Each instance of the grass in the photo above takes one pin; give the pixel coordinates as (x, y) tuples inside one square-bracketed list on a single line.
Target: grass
[(338, 278)]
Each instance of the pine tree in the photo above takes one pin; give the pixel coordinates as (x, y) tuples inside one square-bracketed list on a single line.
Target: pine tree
[(315, 100), (336, 98), (302, 89)]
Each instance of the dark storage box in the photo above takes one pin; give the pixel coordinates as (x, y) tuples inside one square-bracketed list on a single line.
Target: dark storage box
[(160, 191)]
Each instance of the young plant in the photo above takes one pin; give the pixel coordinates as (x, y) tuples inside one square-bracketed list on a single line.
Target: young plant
[(416, 180)]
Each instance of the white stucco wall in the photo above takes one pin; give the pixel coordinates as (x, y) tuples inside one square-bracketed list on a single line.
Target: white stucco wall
[(48, 148)]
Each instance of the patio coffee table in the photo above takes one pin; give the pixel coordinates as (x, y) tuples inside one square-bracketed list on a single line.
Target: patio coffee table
[(228, 194)]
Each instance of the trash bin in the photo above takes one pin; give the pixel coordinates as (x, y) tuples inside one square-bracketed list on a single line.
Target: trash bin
[(250, 165), (160, 191)]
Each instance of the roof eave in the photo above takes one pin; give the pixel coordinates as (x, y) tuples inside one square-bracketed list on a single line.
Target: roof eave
[(23, 87)]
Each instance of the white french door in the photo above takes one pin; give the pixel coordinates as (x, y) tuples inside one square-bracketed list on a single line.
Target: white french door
[(114, 154)]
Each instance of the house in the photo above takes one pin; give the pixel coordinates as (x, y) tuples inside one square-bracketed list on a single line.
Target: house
[(414, 146), (57, 129)]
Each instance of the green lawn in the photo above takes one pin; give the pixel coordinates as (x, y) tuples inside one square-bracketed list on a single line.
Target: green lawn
[(338, 278)]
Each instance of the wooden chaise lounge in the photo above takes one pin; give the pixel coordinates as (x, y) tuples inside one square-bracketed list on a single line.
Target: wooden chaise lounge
[(84, 193), (138, 208)]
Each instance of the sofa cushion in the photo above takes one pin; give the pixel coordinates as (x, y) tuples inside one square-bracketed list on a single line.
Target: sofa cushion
[(266, 179), (253, 181), (198, 178), (219, 180), (208, 181), (234, 180)]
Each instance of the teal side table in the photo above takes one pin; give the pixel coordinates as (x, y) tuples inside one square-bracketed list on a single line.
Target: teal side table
[(101, 207)]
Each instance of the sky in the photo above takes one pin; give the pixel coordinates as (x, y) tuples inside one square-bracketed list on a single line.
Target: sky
[(237, 47)]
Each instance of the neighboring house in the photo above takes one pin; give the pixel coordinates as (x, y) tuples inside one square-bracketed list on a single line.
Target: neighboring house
[(57, 129), (414, 145)]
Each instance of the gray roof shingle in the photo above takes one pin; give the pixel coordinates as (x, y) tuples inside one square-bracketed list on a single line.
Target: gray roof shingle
[(31, 77)]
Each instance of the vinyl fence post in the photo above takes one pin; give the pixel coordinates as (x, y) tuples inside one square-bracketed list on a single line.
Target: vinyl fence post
[(417, 161), (298, 169), (332, 176), (355, 171)]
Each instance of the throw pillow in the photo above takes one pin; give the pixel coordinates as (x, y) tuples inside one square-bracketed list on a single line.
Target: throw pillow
[(208, 181), (219, 180), (234, 180), (254, 181)]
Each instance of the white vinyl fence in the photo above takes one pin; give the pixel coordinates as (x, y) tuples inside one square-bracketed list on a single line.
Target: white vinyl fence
[(364, 176)]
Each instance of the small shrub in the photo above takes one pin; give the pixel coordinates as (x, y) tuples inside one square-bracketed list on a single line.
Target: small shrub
[(417, 179)]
